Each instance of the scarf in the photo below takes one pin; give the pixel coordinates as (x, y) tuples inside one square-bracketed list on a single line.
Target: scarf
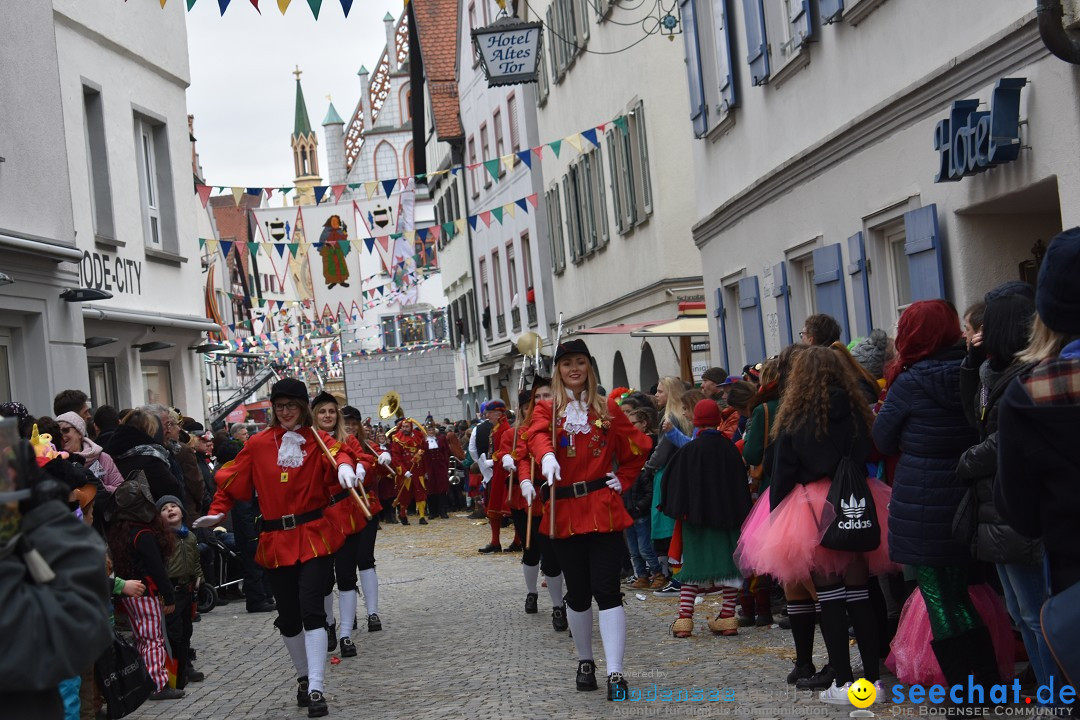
[(149, 450), (576, 414), (290, 451)]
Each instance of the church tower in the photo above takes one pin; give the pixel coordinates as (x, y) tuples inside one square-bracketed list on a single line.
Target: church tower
[(305, 147)]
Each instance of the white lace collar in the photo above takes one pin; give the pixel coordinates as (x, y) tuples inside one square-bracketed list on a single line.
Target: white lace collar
[(290, 451), (576, 414)]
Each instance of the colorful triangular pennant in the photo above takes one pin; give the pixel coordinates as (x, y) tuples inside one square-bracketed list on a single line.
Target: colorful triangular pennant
[(389, 185)]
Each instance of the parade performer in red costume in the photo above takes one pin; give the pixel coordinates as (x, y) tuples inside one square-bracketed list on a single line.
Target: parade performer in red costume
[(438, 470), (501, 437), (358, 552), (295, 481), (407, 448), (539, 555), (578, 453)]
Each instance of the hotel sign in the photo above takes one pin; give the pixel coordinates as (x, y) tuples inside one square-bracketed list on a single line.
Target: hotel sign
[(509, 51), (971, 141)]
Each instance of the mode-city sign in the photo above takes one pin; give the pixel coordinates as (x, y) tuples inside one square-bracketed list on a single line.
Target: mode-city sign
[(971, 141)]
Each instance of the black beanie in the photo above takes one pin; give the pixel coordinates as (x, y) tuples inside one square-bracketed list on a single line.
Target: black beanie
[(1058, 294)]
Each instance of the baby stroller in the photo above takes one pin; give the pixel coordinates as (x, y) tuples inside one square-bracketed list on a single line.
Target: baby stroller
[(221, 566)]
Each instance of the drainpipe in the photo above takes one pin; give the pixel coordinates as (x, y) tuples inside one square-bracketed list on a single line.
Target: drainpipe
[(1053, 33)]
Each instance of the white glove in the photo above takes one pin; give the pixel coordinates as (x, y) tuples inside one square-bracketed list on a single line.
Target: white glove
[(508, 463), (384, 459), (528, 492), (614, 483), (208, 520), (487, 462), (408, 473), (549, 468), (361, 473), (346, 476)]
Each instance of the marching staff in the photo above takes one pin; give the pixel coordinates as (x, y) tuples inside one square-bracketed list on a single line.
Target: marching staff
[(295, 481), (407, 449), (358, 551), (590, 437), (497, 509), (539, 555)]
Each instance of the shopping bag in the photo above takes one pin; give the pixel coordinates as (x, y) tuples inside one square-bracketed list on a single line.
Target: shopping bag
[(855, 528), (122, 678)]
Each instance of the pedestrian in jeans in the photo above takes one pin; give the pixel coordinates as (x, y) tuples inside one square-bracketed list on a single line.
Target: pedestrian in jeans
[(647, 570)]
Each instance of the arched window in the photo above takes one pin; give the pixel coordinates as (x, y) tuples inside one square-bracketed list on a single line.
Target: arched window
[(618, 373), (647, 373), (406, 103), (386, 165), (407, 160)]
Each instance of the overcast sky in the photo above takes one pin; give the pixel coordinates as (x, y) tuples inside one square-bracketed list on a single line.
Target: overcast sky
[(242, 90)]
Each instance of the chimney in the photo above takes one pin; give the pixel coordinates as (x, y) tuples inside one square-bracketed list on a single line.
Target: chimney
[(365, 97), (391, 41)]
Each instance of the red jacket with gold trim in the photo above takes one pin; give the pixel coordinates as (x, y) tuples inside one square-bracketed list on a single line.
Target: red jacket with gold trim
[(345, 513)]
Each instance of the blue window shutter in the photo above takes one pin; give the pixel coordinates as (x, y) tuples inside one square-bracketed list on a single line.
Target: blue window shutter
[(725, 67), (860, 284), (750, 314), (698, 114), (722, 327), (757, 42), (922, 245), (802, 29), (830, 10), (783, 301), (829, 286)]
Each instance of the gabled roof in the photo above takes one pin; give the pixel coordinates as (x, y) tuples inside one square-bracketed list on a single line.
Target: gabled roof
[(437, 29)]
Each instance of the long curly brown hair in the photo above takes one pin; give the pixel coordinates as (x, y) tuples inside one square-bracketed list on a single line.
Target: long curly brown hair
[(805, 399), (121, 541)]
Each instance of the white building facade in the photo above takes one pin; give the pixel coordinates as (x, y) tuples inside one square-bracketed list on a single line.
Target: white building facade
[(620, 211), (833, 165)]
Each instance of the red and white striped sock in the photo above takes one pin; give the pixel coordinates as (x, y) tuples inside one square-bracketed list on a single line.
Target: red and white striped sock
[(686, 600), (730, 595)]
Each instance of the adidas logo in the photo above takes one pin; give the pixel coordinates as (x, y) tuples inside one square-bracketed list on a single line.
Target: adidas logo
[(853, 508)]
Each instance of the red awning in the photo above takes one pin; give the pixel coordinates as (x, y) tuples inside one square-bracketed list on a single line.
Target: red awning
[(621, 329)]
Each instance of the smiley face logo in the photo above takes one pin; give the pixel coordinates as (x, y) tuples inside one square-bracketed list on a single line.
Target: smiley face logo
[(862, 693)]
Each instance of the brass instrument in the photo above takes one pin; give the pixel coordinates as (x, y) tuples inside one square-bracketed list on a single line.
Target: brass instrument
[(390, 405)]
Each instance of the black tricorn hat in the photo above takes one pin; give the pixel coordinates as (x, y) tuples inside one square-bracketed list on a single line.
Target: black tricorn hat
[(576, 346), (290, 388)]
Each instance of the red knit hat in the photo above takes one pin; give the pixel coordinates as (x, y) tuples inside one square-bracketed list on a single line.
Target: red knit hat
[(706, 414)]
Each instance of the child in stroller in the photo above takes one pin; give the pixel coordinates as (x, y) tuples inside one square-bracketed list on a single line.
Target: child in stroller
[(221, 566)]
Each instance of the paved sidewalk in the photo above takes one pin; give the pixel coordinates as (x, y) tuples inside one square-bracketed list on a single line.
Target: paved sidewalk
[(456, 643)]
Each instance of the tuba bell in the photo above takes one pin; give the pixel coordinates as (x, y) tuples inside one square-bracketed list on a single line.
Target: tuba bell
[(390, 405)]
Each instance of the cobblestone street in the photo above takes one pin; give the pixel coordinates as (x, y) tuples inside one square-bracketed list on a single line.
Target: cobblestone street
[(457, 643)]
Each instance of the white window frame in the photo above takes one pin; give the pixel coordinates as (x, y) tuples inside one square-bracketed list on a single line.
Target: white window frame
[(149, 190)]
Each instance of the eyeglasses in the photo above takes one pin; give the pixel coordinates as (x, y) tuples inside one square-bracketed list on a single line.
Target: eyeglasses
[(286, 407), (802, 334)]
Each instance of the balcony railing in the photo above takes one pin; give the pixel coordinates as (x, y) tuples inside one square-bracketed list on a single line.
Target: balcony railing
[(501, 322), (530, 312), (515, 318)]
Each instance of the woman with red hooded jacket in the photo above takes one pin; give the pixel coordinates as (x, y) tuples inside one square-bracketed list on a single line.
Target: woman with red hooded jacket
[(580, 439), (294, 480)]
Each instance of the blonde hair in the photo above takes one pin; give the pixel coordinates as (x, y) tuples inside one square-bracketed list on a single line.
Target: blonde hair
[(674, 405), (339, 427), (1044, 343), (143, 420), (593, 400)]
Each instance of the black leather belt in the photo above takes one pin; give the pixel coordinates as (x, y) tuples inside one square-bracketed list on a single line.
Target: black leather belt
[(291, 522), (578, 489), (340, 497)]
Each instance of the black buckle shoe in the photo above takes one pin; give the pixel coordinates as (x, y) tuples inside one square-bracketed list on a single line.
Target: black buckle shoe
[(347, 647), (404, 520), (301, 691), (617, 687), (423, 521), (317, 704), (374, 624), (586, 675), (331, 637), (799, 672), (558, 618), (821, 680), (489, 548), (530, 603)]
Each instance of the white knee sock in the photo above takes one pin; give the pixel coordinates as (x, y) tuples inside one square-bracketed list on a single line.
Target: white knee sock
[(315, 647), (295, 646), (613, 636), (347, 600), (555, 589), (581, 626), (531, 573), (369, 583), (328, 606)]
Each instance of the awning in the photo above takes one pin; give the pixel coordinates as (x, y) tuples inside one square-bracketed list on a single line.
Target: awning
[(185, 322), (692, 321), (620, 329)]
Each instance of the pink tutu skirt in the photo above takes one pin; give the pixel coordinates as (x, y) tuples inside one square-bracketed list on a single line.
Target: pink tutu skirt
[(912, 658), (786, 543)]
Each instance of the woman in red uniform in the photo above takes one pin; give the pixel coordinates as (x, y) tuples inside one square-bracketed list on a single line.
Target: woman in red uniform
[(539, 555), (497, 509), (358, 552), (591, 436), (295, 481)]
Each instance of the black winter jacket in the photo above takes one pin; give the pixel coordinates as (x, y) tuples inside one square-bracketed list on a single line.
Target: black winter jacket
[(132, 449), (923, 421), (995, 540)]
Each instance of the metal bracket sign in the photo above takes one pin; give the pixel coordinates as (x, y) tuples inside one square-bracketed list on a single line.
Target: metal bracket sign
[(509, 51)]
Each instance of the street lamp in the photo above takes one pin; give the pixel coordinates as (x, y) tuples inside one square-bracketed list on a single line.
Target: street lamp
[(96, 341), (209, 347), (84, 295), (509, 51), (155, 345), (5, 279)]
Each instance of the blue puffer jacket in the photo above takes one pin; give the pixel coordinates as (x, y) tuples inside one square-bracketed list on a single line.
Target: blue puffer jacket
[(923, 421)]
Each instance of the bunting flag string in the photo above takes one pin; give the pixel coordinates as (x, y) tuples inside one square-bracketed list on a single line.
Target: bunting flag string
[(497, 168)]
